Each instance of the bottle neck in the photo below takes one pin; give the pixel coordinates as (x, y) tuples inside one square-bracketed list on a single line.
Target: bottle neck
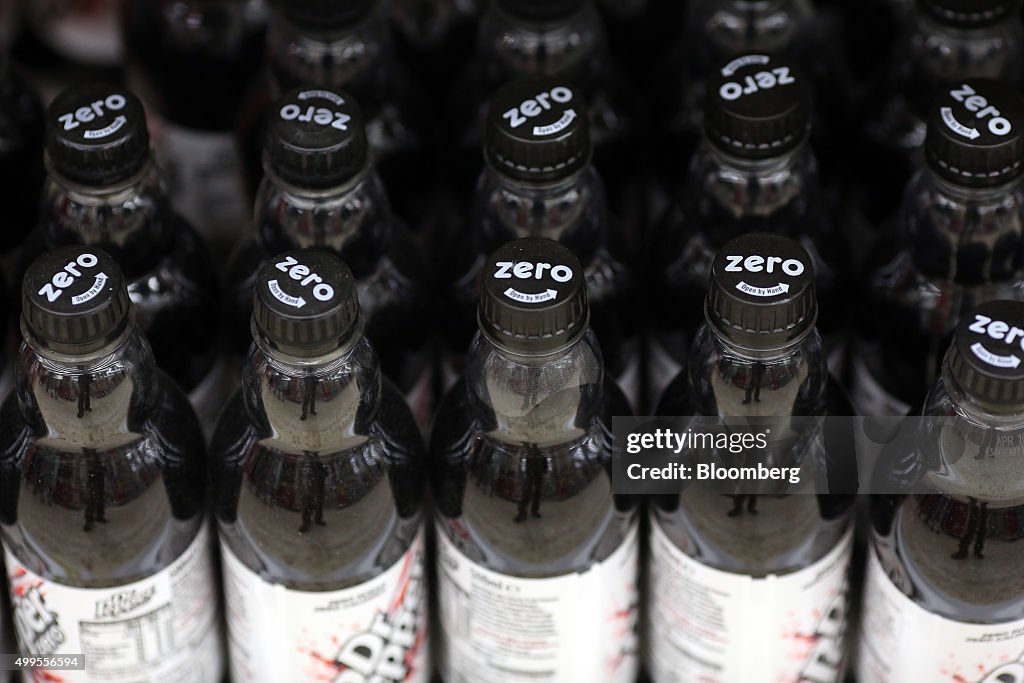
[(721, 29), (969, 449), (538, 400), (97, 402), (753, 188), (352, 220), (512, 47), (129, 220), (321, 405), (730, 381), (560, 211), (332, 58), (971, 236)]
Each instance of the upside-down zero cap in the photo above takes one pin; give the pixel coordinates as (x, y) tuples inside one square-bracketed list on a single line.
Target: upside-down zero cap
[(316, 138), (757, 106)]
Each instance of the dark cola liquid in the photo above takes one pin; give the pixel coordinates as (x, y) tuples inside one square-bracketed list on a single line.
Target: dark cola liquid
[(104, 515), (171, 278), (319, 519), (193, 60)]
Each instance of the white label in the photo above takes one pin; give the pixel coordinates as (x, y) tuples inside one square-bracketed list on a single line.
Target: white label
[(902, 641), (719, 627), (162, 629), (204, 174), (869, 397), (375, 632), (575, 628)]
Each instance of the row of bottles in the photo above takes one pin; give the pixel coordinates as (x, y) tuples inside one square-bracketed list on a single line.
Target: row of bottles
[(318, 478), (958, 241)]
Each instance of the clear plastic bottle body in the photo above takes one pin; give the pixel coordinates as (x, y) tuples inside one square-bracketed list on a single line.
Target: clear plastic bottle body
[(749, 556), (725, 197), (529, 438), (953, 548), (317, 468), (102, 478), (171, 277), (957, 248), (572, 211), (355, 222), (753, 535)]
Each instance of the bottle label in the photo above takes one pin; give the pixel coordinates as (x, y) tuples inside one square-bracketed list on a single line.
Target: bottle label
[(204, 180), (902, 641), (374, 632), (717, 627), (869, 397), (574, 628), (162, 629)]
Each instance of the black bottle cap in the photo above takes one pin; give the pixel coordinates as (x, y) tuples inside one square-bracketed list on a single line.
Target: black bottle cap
[(74, 300), (305, 303), (534, 297), (986, 358), (538, 130), (975, 133), (761, 293), (541, 10), (323, 14), (96, 134), (969, 13), (316, 138), (757, 106)]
